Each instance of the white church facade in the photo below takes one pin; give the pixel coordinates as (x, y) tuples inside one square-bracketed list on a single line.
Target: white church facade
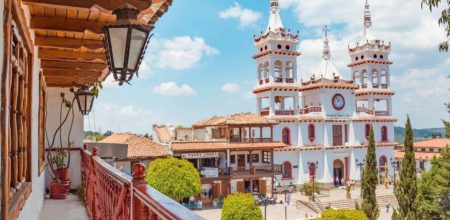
[(325, 119)]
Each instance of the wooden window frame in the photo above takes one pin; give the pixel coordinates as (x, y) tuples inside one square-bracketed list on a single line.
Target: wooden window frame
[(289, 175), (42, 121), (232, 159), (16, 173), (266, 157), (288, 134), (254, 157)]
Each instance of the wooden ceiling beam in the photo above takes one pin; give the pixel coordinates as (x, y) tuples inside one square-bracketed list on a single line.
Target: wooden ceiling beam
[(54, 54), (66, 25), (75, 74), (67, 82), (105, 5), (73, 43), (57, 64)]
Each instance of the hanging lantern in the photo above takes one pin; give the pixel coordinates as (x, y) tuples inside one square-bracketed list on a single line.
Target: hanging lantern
[(125, 43), (85, 99)]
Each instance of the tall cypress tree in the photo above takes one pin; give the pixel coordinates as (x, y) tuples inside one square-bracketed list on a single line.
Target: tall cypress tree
[(406, 188), (369, 181)]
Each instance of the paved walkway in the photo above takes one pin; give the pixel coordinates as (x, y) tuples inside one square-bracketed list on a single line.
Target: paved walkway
[(70, 208)]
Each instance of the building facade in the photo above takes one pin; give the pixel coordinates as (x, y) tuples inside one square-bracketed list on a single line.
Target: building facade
[(324, 119)]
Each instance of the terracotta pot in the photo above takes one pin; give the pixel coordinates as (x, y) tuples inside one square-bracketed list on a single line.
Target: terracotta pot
[(63, 176), (57, 190)]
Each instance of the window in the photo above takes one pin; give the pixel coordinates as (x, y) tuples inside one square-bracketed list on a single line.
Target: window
[(367, 131), (232, 159), (286, 136), (42, 119), (16, 112), (311, 132), (266, 157), (346, 133), (208, 162), (384, 134), (255, 158), (422, 165), (287, 170), (382, 163), (288, 47)]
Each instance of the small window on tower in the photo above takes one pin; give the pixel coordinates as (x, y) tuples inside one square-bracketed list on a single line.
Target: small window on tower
[(261, 49), (279, 46), (381, 56), (362, 57), (288, 47), (357, 58), (265, 48), (375, 56)]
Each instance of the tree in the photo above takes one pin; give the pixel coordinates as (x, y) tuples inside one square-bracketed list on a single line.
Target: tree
[(176, 178), (343, 214), (444, 20), (406, 188), (427, 205), (443, 176), (447, 123), (369, 181), (241, 207)]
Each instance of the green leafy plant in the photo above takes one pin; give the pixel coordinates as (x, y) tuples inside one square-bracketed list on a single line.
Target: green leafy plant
[(369, 181), (241, 207), (58, 158), (443, 21), (174, 177), (308, 188), (343, 214), (80, 193)]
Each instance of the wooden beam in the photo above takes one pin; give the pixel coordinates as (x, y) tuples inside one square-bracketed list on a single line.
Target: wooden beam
[(68, 25), (57, 64), (66, 73), (88, 4), (70, 55), (65, 82), (73, 43)]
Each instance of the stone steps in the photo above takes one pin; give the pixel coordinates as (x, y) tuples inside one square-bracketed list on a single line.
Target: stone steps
[(350, 203)]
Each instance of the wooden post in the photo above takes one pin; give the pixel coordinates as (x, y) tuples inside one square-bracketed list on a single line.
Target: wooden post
[(92, 181), (139, 183), (271, 133), (271, 160), (260, 134)]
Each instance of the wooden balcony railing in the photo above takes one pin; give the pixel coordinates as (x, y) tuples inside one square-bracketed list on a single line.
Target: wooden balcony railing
[(111, 194), (264, 169), (384, 86), (375, 85), (250, 140), (381, 113), (310, 109), (289, 80), (284, 112), (264, 113), (267, 80), (278, 79), (363, 109), (364, 86), (261, 82)]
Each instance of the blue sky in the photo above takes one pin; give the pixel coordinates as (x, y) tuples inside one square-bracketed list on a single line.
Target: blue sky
[(199, 60)]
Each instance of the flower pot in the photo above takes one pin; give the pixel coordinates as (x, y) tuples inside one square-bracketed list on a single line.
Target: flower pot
[(63, 176), (57, 190)]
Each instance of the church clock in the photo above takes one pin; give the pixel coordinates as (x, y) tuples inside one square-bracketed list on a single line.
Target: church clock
[(338, 102)]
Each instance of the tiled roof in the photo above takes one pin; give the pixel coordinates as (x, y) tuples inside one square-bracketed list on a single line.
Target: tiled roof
[(418, 155), (433, 143), (222, 146), (162, 132), (373, 118), (236, 119), (138, 146), (327, 83)]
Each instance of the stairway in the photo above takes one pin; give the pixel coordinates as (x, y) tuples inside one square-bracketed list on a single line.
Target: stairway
[(350, 203)]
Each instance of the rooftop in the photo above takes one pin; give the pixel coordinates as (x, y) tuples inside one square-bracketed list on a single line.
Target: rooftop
[(236, 119), (222, 146), (433, 143), (138, 146)]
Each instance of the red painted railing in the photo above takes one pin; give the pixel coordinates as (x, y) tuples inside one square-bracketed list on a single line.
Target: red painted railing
[(289, 80), (111, 194), (278, 79), (381, 113), (384, 86), (363, 109), (284, 112), (310, 109), (261, 82), (264, 112)]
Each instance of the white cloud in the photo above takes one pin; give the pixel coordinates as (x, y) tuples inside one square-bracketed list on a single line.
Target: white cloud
[(172, 89), (230, 88), (179, 53), (246, 17)]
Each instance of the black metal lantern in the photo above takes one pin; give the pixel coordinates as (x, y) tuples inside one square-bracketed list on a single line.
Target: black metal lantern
[(125, 42), (85, 99)]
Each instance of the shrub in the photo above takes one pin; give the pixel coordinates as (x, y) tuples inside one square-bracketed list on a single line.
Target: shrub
[(176, 178), (343, 214), (308, 188), (241, 207)]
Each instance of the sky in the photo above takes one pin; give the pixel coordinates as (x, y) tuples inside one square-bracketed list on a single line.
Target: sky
[(198, 63)]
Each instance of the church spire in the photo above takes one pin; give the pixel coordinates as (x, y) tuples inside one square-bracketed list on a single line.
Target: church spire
[(367, 22), (326, 54), (275, 22)]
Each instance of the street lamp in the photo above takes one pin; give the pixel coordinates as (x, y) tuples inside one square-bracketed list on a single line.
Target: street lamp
[(312, 175), (85, 99), (361, 167), (394, 165), (285, 191), (125, 43), (444, 202)]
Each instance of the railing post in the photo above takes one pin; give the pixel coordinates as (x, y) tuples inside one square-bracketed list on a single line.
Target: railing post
[(140, 183), (93, 183)]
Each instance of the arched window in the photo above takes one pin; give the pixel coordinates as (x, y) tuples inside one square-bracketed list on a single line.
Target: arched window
[(278, 70), (384, 133), (266, 70), (367, 131), (364, 79), (311, 132), (382, 163), (289, 68), (287, 170), (374, 78), (260, 72), (286, 136), (356, 78)]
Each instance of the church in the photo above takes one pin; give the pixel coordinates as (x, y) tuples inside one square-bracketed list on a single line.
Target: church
[(325, 119)]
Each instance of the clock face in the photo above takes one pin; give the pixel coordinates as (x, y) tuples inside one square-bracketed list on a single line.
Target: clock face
[(338, 101)]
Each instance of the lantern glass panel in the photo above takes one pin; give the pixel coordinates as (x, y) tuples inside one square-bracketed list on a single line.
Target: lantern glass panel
[(89, 102), (82, 103), (118, 40), (138, 39)]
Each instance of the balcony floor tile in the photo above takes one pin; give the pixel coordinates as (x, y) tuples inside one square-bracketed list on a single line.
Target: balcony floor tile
[(70, 209)]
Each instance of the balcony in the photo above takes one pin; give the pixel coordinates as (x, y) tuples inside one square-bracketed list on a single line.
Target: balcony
[(375, 85), (311, 109), (284, 112), (364, 110), (267, 80), (381, 113), (278, 79), (250, 140), (264, 112), (261, 171), (109, 193), (364, 86), (289, 80), (261, 82), (384, 86)]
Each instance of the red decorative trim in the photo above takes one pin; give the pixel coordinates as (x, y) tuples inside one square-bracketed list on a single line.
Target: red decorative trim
[(283, 177), (335, 97), (311, 132), (288, 134)]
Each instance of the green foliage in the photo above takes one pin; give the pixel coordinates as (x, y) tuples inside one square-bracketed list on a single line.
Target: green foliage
[(406, 188), (427, 205), (343, 214), (369, 181), (308, 188), (357, 207), (241, 207), (94, 136), (80, 193), (58, 158), (443, 176), (443, 21), (419, 134), (174, 177)]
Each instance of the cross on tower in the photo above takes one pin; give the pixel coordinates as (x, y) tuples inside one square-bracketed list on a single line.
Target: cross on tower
[(325, 30)]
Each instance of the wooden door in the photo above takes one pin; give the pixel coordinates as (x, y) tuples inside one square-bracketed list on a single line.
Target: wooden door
[(262, 186), (216, 190), (337, 135), (240, 186), (225, 189), (241, 161)]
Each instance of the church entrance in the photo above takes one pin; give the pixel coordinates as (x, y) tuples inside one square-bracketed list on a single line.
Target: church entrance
[(338, 173)]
